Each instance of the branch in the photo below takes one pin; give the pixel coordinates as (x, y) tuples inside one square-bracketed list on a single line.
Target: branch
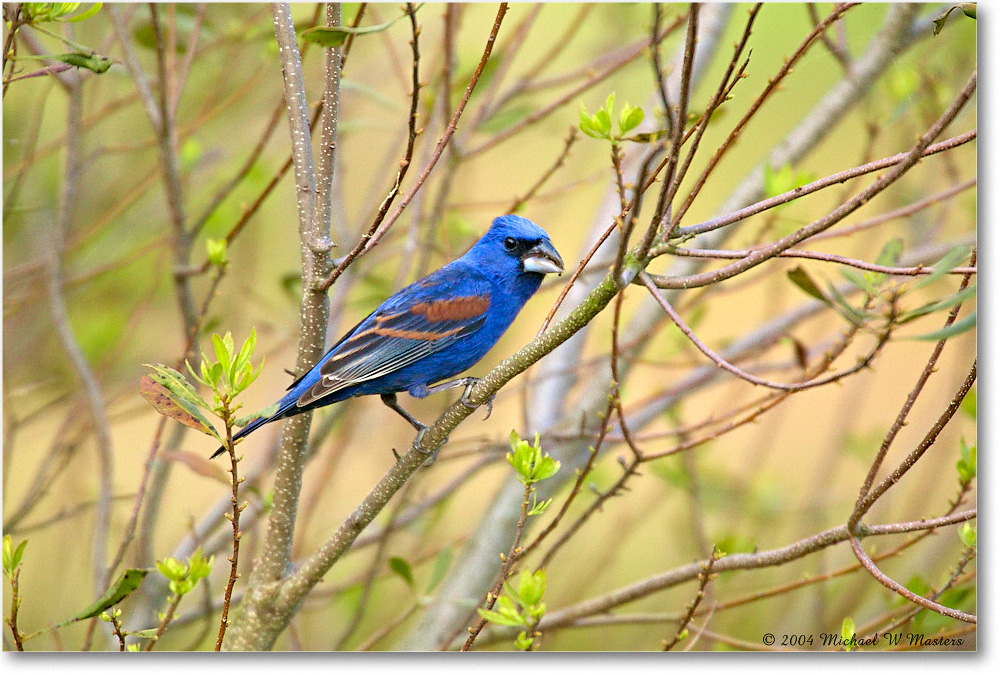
[(737, 561), (255, 618), (64, 331), (902, 590), (824, 257), (739, 372), (832, 218), (734, 216), (866, 498)]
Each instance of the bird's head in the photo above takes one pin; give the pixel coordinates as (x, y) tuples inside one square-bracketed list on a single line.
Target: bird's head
[(520, 244)]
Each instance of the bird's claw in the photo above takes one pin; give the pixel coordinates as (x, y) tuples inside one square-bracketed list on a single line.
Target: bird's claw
[(417, 445), (471, 406)]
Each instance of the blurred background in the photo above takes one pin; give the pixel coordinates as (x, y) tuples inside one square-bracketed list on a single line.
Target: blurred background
[(795, 471)]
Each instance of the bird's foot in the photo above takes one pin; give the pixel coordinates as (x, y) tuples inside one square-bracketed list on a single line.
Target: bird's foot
[(469, 384), (418, 446)]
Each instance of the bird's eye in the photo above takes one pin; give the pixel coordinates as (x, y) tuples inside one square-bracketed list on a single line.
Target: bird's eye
[(510, 243)]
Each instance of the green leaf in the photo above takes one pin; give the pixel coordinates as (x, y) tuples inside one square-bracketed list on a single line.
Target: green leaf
[(94, 9), (952, 258), (847, 628), (506, 604), (121, 589), (602, 122), (266, 412), (402, 569), (946, 303), (857, 280), (967, 533), (172, 569), (531, 586), (40, 12), (246, 351), (215, 373), (335, 36), (500, 619), (531, 464), (954, 329), (523, 642), (609, 108), (888, 257), (589, 124), (844, 307), (967, 464), (19, 553), (223, 350), (801, 278), (940, 21), (441, 564), (218, 253), (968, 8), (185, 576), (92, 62), (847, 631), (630, 119), (538, 508), (11, 559), (199, 566), (968, 405), (144, 634)]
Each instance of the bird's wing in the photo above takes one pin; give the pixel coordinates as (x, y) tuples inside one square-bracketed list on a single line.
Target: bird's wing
[(419, 321)]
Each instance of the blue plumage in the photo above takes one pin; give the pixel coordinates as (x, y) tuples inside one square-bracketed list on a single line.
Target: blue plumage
[(431, 330)]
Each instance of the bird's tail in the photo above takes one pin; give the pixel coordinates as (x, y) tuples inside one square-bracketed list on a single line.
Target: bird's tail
[(250, 428), (282, 406)]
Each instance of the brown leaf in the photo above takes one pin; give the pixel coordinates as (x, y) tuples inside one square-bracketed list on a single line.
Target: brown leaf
[(169, 405)]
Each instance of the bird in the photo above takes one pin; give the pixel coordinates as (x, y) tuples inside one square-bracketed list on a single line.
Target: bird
[(429, 331)]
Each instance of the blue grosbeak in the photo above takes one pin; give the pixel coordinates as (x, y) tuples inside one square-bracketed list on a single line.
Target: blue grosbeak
[(431, 330)]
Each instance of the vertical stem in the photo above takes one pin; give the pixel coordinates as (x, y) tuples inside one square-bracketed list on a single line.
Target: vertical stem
[(15, 603), (235, 518), (259, 620), (168, 141), (64, 331)]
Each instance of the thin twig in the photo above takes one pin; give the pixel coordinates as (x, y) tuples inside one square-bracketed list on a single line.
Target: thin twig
[(865, 497), (519, 202), (772, 85), (703, 580), (824, 257), (739, 372), (833, 179), (868, 499), (593, 79), (234, 518), (836, 215), (505, 571), (736, 561), (378, 230), (901, 590), (60, 317)]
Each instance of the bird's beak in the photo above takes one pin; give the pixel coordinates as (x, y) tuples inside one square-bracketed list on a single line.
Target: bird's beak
[(543, 259)]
